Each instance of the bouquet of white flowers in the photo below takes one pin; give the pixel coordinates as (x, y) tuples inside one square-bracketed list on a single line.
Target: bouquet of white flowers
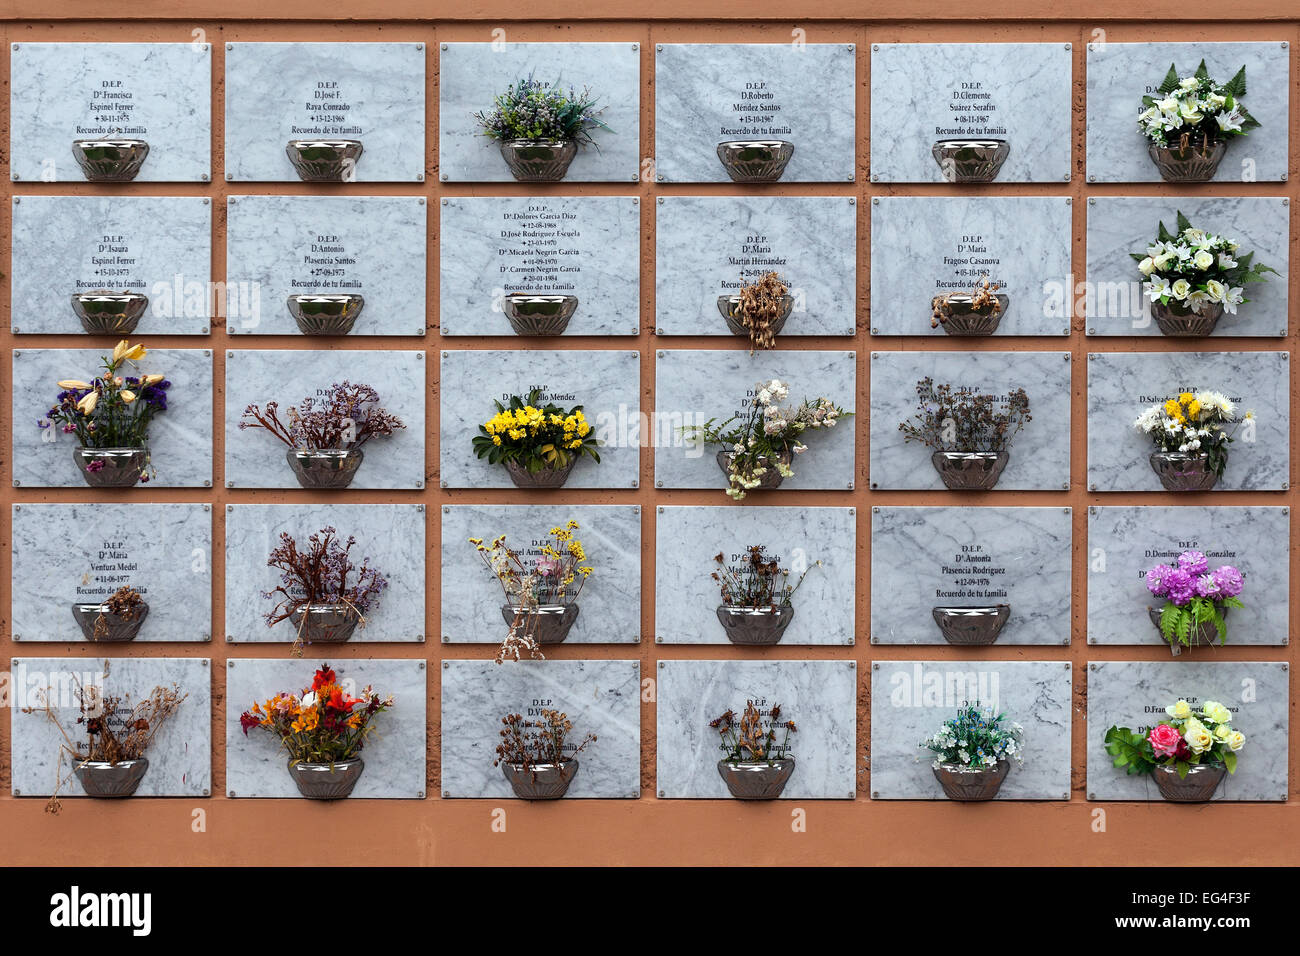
[(1189, 121)]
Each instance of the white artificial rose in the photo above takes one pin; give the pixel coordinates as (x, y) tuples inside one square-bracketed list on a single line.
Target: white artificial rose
[(1203, 260), (1167, 105), (1188, 83), (1216, 290), (1216, 101), (1147, 266), (1179, 711), (1180, 289), (1236, 740)]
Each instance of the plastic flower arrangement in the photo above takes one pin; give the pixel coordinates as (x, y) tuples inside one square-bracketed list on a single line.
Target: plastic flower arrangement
[(531, 109), (747, 740), (1195, 271), (1195, 424), (1194, 595), (758, 446), (323, 725), (113, 410), (1195, 109), (1190, 736), (531, 437), (345, 416), (978, 737)]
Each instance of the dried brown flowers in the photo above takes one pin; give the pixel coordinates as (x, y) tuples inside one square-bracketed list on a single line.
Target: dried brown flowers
[(750, 739), (530, 743), (124, 604), (983, 299), (762, 308), (958, 419)]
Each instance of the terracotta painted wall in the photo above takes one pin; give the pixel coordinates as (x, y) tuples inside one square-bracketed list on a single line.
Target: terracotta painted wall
[(644, 831)]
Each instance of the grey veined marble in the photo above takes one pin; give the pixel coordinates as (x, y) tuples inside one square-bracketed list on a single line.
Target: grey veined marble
[(373, 246), (1118, 226), (1122, 386), (910, 700), (1124, 543), (584, 246), (694, 386), (276, 92), (605, 383), (708, 246), (1120, 74), (709, 93), (1040, 454), (180, 756), (180, 439), (394, 754), (819, 696), (63, 92), (157, 246), (688, 539), (472, 75), (922, 558), (256, 459), (599, 697), (1134, 694), (66, 554), (390, 538), (923, 246), (924, 92), (610, 600)]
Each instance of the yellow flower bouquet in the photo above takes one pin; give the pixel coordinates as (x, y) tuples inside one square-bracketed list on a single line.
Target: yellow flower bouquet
[(538, 443)]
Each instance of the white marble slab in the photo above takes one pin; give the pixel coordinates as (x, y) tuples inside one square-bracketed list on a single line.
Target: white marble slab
[(1124, 543), (180, 756), (180, 439), (610, 602), (688, 538), (819, 696), (1118, 226), (66, 554), (924, 92), (1040, 454), (605, 383), (276, 92), (1122, 386), (372, 246), (585, 246), (695, 385), (256, 459), (1134, 694), (390, 538), (922, 558), (64, 245), (599, 697), (1120, 74), (472, 75), (707, 246), (63, 92), (394, 755), (910, 700), (923, 246), (709, 93)]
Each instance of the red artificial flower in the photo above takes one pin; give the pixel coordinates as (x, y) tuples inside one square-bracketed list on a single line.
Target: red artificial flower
[(247, 721), (336, 700), (323, 676)]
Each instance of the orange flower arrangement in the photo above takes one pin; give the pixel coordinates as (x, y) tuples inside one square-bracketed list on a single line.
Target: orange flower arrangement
[(324, 725)]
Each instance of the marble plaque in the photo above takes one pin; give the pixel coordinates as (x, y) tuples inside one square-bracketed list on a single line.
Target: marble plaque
[(1134, 694), (709, 246), (1118, 226), (923, 246), (1120, 74), (609, 603), (694, 386), (64, 92), (66, 554), (688, 539), (910, 700), (599, 697), (925, 92), (389, 538), (394, 755), (256, 459), (923, 558), (277, 92), (1040, 454), (157, 246), (711, 93), (472, 75), (373, 246), (1123, 543), (1121, 386), (180, 755), (819, 696), (584, 246), (180, 439), (605, 383)]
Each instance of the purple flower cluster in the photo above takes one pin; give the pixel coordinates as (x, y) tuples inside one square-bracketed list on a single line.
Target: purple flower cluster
[(1193, 578)]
